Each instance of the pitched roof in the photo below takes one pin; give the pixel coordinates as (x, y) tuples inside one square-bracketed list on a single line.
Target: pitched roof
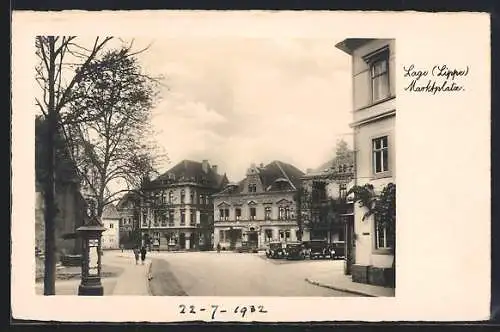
[(192, 171), (129, 196), (274, 172), (332, 165), (110, 212)]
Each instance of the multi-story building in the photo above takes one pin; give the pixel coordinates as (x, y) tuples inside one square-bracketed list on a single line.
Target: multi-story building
[(373, 68), (110, 219), (324, 203), (128, 208), (258, 209), (179, 211)]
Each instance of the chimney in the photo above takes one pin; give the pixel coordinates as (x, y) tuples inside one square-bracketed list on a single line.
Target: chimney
[(204, 166), (214, 168)]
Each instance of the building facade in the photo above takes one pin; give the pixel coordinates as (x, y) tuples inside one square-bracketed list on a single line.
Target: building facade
[(259, 209), (373, 71), (178, 213), (110, 219), (128, 208), (325, 204)]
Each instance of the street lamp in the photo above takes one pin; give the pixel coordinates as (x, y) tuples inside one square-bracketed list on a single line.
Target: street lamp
[(91, 258)]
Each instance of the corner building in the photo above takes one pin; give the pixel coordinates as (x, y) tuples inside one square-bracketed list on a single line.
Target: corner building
[(179, 212), (374, 116)]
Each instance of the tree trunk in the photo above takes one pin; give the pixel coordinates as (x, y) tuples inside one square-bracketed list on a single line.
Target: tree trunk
[(49, 282)]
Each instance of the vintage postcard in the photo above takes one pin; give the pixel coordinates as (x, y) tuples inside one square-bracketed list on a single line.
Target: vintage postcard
[(241, 166)]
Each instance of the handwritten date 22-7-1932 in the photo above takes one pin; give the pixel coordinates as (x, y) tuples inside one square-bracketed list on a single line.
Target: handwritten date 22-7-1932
[(214, 310)]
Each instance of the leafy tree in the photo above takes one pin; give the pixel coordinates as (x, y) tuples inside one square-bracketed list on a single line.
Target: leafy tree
[(382, 206)]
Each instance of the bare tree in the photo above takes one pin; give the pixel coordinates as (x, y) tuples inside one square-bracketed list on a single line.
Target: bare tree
[(57, 78)]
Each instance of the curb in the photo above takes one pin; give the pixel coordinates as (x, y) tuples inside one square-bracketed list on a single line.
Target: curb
[(315, 283), (150, 276)]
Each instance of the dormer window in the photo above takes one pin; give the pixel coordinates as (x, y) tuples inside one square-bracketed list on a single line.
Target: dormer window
[(252, 188)]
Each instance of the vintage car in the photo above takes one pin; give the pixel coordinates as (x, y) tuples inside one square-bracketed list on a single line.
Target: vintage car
[(318, 249), (275, 250), (294, 250), (337, 250), (247, 247)]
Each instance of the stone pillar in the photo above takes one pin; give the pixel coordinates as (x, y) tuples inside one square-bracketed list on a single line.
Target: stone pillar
[(187, 240)]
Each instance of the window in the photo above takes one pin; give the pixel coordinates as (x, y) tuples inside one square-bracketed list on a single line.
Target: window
[(253, 213), (284, 213), (111, 225), (342, 190), (252, 188), (282, 234), (164, 218), (183, 196), (171, 222), (223, 214), (144, 219), (380, 155), (267, 213), (287, 234), (156, 222), (191, 197), (269, 234), (201, 199), (192, 218), (383, 240), (170, 197), (183, 217), (163, 198), (379, 70), (237, 213), (221, 236)]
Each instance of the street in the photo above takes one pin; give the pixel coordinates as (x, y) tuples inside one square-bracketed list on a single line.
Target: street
[(237, 274)]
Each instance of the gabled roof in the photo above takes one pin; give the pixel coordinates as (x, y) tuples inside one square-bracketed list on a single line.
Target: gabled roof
[(110, 212), (128, 197), (270, 175), (192, 171)]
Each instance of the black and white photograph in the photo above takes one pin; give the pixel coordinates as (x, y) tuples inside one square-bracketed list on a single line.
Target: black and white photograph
[(149, 199), (225, 174)]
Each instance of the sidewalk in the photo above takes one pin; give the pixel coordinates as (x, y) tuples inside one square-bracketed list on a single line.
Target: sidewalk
[(134, 279), (339, 281)]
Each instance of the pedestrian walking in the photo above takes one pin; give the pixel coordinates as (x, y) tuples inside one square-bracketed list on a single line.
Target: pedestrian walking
[(218, 247), (121, 247), (143, 254), (136, 254)]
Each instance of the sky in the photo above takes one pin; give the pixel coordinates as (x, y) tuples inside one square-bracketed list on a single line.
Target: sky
[(238, 101)]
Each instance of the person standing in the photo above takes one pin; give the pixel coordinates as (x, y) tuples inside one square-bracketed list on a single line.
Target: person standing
[(136, 254), (143, 254)]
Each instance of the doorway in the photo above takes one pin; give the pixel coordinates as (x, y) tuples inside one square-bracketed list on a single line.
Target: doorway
[(182, 240), (253, 238)]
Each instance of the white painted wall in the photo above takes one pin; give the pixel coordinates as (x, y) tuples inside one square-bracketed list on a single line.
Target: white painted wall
[(111, 236)]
